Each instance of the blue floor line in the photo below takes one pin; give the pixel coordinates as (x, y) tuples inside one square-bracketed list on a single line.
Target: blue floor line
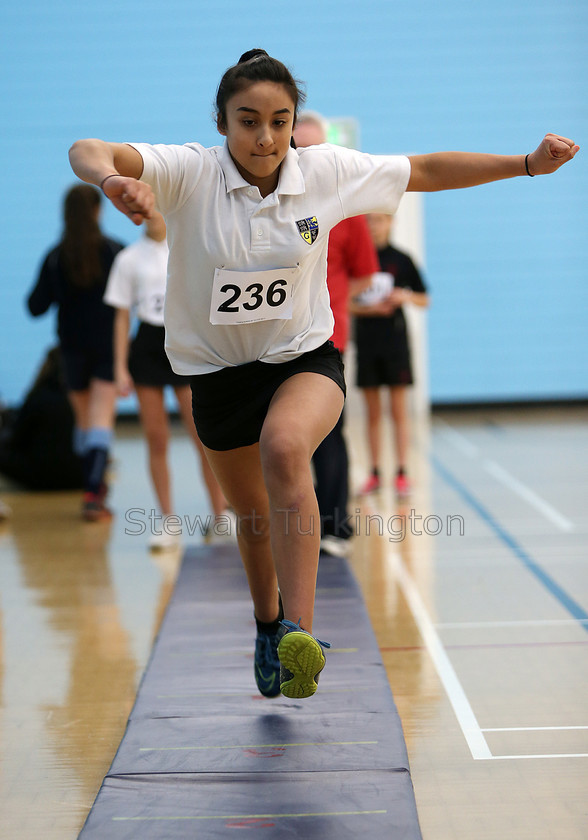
[(569, 604)]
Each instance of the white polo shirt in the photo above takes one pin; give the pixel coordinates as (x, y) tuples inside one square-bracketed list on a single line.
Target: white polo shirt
[(137, 280), (218, 223)]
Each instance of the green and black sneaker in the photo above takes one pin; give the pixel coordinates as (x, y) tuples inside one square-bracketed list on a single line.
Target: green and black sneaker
[(301, 661), (267, 664)]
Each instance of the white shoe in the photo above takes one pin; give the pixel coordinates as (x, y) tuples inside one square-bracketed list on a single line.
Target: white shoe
[(335, 546), (164, 542), (223, 530)]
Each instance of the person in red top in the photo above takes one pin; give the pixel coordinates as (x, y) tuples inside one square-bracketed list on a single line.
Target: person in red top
[(351, 261)]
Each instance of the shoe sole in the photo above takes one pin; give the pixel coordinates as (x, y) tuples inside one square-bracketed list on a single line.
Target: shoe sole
[(302, 656)]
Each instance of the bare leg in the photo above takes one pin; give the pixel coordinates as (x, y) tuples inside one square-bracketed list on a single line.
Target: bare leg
[(270, 487), (155, 424), (374, 417), (94, 410), (102, 404), (401, 424), (303, 411), (239, 474), (80, 403), (95, 406), (215, 494)]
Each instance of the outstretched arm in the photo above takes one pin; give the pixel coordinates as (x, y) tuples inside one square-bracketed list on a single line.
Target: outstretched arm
[(455, 170), (116, 169)]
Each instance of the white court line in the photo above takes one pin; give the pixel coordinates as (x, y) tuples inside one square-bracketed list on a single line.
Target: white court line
[(546, 755), (500, 474), (459, 441), (464, 713), (533, 728), (457, 696), (539, 622)]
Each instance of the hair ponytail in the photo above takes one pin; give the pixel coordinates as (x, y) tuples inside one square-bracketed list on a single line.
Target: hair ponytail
[(251, 54), (82, 238), (255, 66)]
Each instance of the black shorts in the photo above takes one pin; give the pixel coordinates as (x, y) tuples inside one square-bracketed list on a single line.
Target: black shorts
[(383, 351), (230, 405), (81, 366), (390, 367), (148, 362)]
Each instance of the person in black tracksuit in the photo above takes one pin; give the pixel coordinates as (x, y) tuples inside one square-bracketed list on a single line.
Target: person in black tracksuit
[(73, 277)]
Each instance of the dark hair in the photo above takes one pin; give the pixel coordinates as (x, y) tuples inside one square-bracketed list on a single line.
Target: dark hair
[(82, 237), (255, 66)]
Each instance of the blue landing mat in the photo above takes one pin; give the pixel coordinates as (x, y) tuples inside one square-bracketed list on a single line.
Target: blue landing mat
[(204, 754)]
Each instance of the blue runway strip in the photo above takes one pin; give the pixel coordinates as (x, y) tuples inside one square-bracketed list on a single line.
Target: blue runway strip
[(204, 754)]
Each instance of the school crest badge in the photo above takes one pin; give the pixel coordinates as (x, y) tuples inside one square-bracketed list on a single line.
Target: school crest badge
[(308, 229)]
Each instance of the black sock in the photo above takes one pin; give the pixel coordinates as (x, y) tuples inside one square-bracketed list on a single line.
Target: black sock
[(376, 472), (400, 472), (271, 627)]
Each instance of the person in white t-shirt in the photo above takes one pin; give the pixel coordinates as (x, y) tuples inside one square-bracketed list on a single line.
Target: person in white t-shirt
[(247, 314), (137, 283)]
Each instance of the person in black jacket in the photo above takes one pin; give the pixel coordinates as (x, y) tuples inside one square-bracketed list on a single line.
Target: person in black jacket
[(73, 277), (36, 440)]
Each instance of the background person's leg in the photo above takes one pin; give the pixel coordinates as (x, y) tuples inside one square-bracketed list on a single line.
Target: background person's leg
[(331, 469)]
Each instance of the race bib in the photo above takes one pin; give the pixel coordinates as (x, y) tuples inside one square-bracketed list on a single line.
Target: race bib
[(379, 289), (244, 297)]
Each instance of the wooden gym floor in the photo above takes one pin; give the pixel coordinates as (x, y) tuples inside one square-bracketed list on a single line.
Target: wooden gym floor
[(477, 589)]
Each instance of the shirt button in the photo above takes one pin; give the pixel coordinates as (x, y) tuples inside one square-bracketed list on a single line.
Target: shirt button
[(250, 191), (260, 232)]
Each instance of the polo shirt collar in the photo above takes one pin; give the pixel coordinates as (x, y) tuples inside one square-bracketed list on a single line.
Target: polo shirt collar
[(291, 181)]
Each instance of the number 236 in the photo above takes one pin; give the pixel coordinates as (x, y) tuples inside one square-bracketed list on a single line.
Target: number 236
[(275, 295)]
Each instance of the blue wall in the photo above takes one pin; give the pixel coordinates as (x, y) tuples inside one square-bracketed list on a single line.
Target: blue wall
[(506, 263)]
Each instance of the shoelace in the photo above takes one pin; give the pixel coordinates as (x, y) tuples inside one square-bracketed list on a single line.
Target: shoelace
[(289, 625)]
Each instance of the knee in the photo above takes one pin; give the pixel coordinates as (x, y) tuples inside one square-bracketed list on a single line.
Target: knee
[(157, 442), (374, 413), (282, 453)]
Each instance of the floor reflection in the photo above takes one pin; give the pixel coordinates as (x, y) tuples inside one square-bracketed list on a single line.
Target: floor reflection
[(390, 537), (67, 667)]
